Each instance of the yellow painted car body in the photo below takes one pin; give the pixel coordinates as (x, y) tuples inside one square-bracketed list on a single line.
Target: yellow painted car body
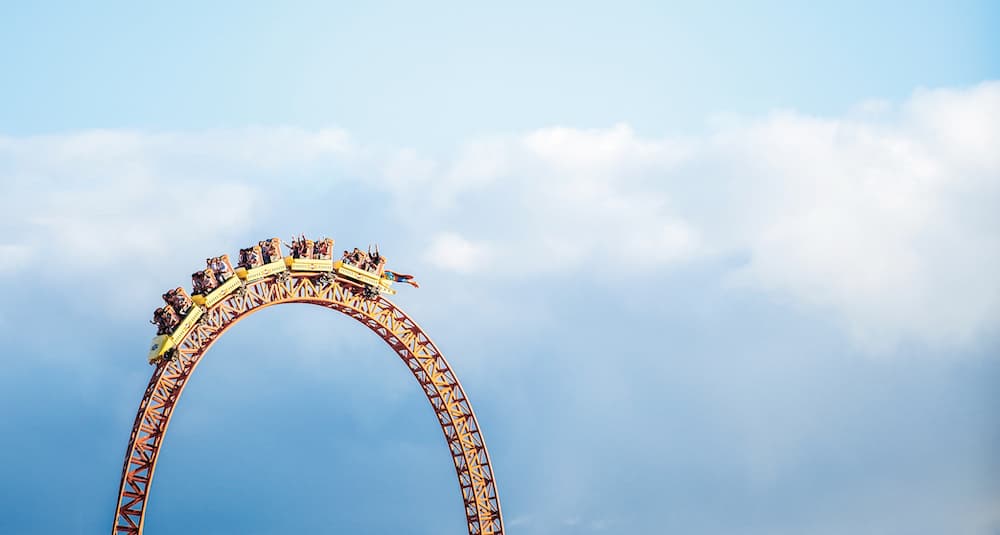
[(218, 294), (308, 264), (365, 277), (257, 273), (188, 323), (160, 345), (165, 342)]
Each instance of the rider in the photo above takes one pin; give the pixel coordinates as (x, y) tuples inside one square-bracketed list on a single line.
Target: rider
[(400, 277)]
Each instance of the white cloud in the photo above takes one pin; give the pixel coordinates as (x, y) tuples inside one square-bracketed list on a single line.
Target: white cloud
[(886, 217), (887, 221), (452, 252), (601, 151)]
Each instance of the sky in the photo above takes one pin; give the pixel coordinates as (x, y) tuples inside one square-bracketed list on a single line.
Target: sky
[(701, 269)]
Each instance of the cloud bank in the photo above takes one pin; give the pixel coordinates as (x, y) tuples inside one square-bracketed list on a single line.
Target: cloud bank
[(884, 218)]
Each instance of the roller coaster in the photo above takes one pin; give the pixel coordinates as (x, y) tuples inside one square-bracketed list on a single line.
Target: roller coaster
[(355, 285)]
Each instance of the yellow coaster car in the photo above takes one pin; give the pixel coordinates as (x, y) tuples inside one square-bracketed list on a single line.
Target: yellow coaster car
[(364, 277), (309, 264), (165, 342), (219, 293), (257, 273), (161, 344)]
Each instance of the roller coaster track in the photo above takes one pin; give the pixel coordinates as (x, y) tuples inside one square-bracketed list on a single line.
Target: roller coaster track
[(403, 335)]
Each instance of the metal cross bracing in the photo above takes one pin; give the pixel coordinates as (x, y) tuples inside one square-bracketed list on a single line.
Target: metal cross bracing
[(402, 334)]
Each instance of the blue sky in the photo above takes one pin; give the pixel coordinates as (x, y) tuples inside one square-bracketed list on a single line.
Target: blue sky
[(701, 269), (433, 74)]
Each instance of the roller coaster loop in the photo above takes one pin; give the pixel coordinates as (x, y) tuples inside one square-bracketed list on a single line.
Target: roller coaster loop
[(424, 360)]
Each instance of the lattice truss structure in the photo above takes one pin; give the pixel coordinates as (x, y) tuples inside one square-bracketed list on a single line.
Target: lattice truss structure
[(403, 335)]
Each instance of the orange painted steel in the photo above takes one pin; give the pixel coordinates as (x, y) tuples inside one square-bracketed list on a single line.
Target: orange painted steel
[(403, 335)]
